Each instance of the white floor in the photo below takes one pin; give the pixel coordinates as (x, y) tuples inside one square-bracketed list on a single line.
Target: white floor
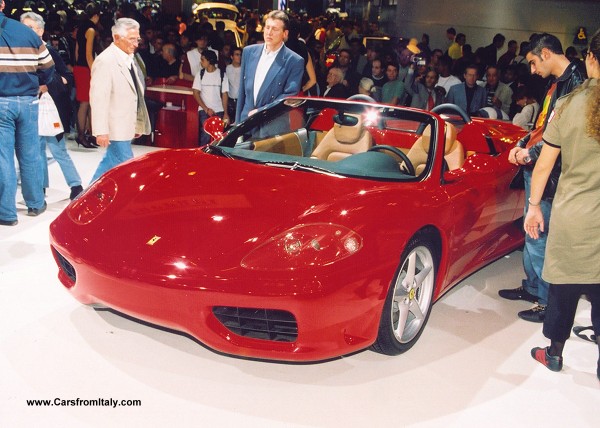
[(471, 367)]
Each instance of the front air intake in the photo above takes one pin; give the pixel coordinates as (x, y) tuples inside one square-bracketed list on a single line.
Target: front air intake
[(64, 265), (264, 324)]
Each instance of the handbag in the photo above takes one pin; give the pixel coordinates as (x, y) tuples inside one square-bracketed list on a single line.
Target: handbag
[(49, 123)]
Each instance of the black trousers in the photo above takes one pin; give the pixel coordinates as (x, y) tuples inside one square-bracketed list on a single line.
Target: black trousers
[(562, 305), (231, 107)]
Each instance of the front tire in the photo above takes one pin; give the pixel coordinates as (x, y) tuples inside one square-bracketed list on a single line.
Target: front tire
[(408, 303)]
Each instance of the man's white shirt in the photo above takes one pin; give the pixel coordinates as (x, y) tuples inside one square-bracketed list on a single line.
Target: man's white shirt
[(264, 64), (211, 89)]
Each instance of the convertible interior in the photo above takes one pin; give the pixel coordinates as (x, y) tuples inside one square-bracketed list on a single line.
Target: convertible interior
[(356, 139)]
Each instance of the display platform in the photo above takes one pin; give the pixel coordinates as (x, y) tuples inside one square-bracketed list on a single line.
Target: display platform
[(177, 121)]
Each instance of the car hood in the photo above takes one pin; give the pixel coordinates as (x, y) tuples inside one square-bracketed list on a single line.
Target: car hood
[(190, 207)]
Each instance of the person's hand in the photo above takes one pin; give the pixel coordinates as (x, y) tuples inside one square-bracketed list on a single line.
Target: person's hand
[(102, 140), (534, 221), (496, 102), (225, 119), (171, 80), (522, 157), (43, 89), (512, 155), (210, 112), (251, 112)]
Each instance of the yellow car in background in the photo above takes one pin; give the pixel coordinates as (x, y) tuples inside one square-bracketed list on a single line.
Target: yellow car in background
[(215, 12)]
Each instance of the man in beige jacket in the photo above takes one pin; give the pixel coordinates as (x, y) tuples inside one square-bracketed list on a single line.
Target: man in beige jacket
[(117, 97)]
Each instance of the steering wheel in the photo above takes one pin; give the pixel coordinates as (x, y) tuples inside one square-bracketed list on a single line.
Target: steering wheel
[(452, 108), (410, 169)]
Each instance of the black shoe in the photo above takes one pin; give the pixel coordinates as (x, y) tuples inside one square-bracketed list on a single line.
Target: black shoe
[(75, 190), (91, 140), (518, 294), (552, 363), (84, 143), (34, 212), (535, 314), (8, 222)]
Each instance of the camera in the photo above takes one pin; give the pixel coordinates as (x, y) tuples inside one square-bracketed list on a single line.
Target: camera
[(419, 60)]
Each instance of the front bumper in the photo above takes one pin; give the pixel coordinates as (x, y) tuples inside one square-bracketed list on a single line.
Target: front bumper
[(296, 319)]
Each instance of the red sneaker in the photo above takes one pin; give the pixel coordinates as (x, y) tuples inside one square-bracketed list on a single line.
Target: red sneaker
[(553, 363)]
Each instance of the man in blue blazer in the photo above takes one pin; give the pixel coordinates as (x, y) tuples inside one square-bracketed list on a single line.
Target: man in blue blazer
[(468, 95), (270, 71)]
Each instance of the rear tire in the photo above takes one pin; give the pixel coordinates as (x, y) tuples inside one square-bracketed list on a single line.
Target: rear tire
[(410, 296)]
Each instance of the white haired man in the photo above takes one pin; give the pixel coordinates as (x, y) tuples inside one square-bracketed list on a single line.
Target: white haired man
[(119, 113)]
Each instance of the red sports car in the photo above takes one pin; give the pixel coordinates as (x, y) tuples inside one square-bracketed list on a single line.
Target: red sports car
[(313, 229)]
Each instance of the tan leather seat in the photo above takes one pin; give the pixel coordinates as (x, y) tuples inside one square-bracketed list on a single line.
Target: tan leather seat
[(288, 144), (347, 137), (419, 151), (454, 153)]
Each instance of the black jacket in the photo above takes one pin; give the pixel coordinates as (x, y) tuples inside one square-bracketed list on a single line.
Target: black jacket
[(60, 92), (570, 79), (337, 91)]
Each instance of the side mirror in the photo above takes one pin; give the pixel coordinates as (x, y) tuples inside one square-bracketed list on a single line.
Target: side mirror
[(215, 127)]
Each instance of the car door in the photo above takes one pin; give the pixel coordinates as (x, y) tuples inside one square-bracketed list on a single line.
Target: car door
[(483, 207)]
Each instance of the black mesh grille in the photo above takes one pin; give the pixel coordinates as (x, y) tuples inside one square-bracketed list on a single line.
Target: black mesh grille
[(265, 324), (66, 267)]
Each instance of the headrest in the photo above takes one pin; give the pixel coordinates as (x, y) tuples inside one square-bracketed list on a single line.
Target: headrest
[(450, 138), (347, 128), (492, 113)]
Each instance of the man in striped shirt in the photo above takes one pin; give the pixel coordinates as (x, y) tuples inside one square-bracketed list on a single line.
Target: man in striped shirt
[(25, 64)]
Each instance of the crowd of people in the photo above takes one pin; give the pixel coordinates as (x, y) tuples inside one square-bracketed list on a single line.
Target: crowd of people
[(407, 72), (324, 57)]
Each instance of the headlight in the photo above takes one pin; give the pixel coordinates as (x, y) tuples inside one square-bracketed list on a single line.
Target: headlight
[(95, 200), (305, 245)]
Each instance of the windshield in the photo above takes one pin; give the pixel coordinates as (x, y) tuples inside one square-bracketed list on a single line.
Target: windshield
[(333, 137), (217, 13)]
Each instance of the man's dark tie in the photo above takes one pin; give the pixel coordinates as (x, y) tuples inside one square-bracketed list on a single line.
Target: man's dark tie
[(135, 84), (430, 102)]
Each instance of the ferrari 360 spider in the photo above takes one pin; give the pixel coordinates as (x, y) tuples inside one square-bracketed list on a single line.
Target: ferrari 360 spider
[(313, 229)]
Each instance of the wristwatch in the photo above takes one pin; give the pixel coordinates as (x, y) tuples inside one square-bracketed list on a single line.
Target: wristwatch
[(527, 159)]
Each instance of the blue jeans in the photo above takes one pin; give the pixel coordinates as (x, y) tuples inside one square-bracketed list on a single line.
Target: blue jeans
[(117, 152), (19, 135), (535, 249), (60, 154)]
